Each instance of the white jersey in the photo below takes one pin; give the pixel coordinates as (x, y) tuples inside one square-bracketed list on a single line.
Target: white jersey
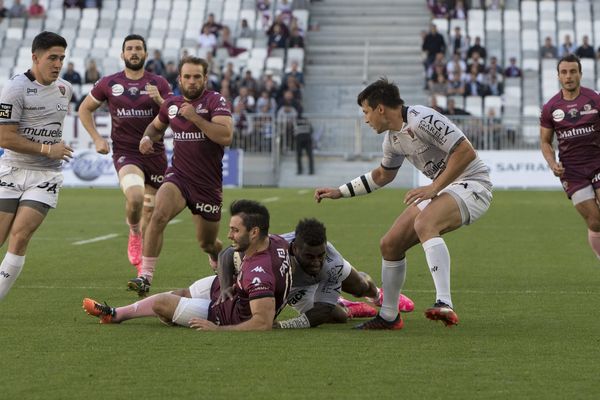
[(427, 139), (39, 111), (323, 288)]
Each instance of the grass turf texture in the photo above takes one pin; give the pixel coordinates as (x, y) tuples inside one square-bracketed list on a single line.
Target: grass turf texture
[(525, 286)]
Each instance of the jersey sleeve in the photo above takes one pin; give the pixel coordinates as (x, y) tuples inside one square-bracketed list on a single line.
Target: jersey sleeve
[(11, 103), (219, 106), (391, 159), (164, 88), (98, 92), (163, 112), (546, 117), (258, 281)]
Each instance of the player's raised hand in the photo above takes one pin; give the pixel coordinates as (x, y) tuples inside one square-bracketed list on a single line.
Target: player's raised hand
[(153, 93), (187, 111), (146, 145), (419, 194), (101, 146), (327, 193), (200, 324), (60, 151)]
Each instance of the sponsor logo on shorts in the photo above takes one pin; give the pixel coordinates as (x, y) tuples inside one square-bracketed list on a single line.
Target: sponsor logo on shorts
[(117, 89), (89, 165), (173, 110), (558, 115), (5, 111), (208, 208), (596, 178), (6, 184), (157, 178)]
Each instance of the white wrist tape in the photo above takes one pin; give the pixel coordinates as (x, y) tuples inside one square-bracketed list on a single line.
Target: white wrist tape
[(300, 321), (364, 184)]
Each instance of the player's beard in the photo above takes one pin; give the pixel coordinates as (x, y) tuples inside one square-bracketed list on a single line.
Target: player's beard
[(192, 94), (135, 67)]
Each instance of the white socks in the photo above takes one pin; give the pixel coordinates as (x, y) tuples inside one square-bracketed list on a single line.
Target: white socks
[(9, 272), (393, 274), (438, 260)]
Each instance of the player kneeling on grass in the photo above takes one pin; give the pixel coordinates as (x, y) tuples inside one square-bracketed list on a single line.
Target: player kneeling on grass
[(319, 271), (259, 293)]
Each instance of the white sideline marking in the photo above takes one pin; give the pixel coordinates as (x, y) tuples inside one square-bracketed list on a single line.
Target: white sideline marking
[(270, 199), (96, 239)]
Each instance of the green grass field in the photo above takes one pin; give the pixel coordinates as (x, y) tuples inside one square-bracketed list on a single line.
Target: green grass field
[(525, 285)]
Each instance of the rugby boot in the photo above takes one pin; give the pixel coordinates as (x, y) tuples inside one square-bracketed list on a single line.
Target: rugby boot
[(140, 285), (405, 304), (381, 324), (441, 311), (104, 312)]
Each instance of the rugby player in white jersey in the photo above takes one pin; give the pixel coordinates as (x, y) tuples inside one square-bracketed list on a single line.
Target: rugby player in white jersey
[(33, 106), (459, 194)]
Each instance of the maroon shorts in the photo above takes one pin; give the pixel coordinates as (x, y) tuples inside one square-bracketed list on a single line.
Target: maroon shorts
[(226, 313), (153, 167), (200, 200), (576, 178)]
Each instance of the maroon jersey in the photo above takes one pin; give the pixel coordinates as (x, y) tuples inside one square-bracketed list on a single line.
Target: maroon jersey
[(131, 109), (196, 158), (576, 124), (264, 274)]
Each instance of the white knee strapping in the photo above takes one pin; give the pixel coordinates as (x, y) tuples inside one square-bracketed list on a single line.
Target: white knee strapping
[(131, 180)]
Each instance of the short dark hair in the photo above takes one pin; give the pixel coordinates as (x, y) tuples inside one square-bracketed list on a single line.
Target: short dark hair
[(252, 213), (379, 92), (195, 61), (311, 231), (46, 40), (134, 36), (569, 58)]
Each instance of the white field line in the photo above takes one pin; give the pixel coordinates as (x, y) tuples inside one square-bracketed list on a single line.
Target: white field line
[(96, 239), (303, 191), (270, 199)]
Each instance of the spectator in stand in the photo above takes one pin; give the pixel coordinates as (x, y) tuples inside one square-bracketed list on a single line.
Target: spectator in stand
[(294, 24), (268, 84), (493, 67), (3, 11), (288, 99), (439, 85), (277, 40), (456, 64), (477, 47), (476, 60), (284, 8), (245, 31), (493, 85), (226, 41), (513, 71), (72, 4), (438, 66), (433, 44), (567, 47), (17, 10), (453, 110), (459, 11), (92, 75), (212, 25), (291, 85), (266, 104), (459, 43), (72, 76), (249, 82), (286, 119), (304, 143), (295, 40), (283, 28), (474, 85), (156, 64), (548, 50), (438, 8), (456, 84), (264, 9), (585, 50), (246, 98), (296, 73), (171, 75), (36, 10), (207, 40)]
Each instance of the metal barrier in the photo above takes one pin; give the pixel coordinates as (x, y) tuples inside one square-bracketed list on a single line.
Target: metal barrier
[(351, 137)]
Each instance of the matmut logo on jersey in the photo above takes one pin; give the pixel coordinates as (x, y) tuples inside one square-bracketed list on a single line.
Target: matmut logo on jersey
[(134, 113), (189, 136), (437, 128), (575, 132)]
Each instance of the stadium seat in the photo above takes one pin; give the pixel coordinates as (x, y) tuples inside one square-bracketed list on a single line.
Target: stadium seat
[(473, 105)]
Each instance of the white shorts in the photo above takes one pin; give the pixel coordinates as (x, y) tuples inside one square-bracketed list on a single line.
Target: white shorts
[(472, 197), (28, 184), (198, 305)]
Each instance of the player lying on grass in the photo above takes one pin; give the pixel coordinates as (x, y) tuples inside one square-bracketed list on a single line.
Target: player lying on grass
[(319, 273)]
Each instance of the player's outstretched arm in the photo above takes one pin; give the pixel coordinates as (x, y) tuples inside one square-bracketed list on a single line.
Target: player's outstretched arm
[(319, 314), (86, 110), (359, 186), (153, 133), (263, 314)]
